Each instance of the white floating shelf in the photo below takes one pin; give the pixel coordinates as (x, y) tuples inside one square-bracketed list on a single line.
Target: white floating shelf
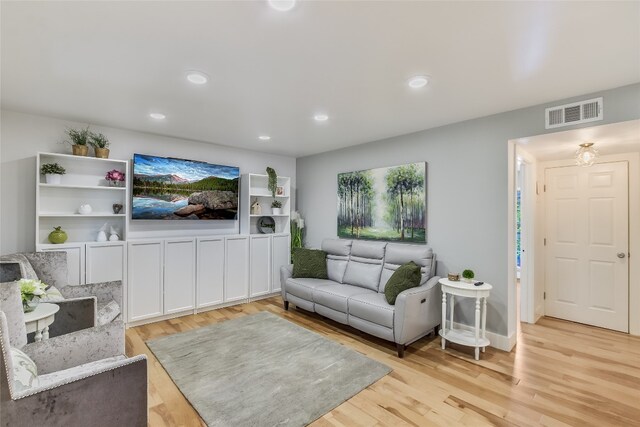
[(82, 158), (77, 215), (82, 187), (267, 195), (268, 214)]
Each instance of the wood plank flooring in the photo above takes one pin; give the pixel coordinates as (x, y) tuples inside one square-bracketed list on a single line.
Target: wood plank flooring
[(560, 374)]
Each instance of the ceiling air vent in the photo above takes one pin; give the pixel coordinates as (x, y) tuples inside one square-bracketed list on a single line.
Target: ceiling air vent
[(590, 110)]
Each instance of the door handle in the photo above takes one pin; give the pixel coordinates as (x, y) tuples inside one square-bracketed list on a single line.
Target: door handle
[(621, 255)]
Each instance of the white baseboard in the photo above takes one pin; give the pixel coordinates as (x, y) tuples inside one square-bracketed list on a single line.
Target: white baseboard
[(501, 342)]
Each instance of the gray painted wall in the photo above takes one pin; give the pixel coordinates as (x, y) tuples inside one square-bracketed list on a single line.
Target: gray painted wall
[(466, 185), (24, 135)]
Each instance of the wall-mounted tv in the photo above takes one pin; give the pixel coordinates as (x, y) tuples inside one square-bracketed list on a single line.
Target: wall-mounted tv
[(177, 189)]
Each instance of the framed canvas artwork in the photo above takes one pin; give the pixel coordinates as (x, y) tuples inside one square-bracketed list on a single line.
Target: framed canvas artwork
[(384, 203)]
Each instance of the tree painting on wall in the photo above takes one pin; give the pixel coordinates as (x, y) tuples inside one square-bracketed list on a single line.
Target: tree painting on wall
[(383, 203)]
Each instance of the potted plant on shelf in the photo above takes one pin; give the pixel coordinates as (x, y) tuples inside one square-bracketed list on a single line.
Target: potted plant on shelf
[(52, 172), (468, 276), (79, 140), (272, 185), (100, 145), (276, 207), (115, 178)]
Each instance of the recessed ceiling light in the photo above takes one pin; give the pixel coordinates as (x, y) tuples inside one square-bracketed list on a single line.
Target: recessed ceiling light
[(282, 5), (197, 77), (417, 82), (264, 137), (320, 117), (157, 116)]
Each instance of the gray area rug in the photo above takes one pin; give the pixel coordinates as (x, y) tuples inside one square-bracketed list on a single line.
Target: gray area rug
[(262, 370)]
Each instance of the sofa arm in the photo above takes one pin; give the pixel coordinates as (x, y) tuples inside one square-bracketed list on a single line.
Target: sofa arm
[(104, 292), (75, 314), (418, 311), (286, 272), (77, 348), (113, 396)]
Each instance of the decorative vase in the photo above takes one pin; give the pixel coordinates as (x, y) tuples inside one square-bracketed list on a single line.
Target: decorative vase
[(79, 150), (58, 236), (464, 279), (53, 178), (102, 153), (102, 236), (276, 211), (117, 207), (29, 306), (115, 183), (85, 209)]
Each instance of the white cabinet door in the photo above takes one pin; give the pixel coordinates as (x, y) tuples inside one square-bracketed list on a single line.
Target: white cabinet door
[(236, 285), (75, 263), (104, 262), (210, 273), (281, 255), (260, 269), (179, 275), (144, 279)]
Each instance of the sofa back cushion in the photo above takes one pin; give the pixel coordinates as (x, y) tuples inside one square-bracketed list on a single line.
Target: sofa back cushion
[(338, 251), (365, 264), (397, 254)]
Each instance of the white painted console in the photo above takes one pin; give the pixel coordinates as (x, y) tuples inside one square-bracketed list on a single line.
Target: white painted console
[(178, 276)]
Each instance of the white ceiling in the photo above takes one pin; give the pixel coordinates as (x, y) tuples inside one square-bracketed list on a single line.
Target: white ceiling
[(615, 138), (111, 63)]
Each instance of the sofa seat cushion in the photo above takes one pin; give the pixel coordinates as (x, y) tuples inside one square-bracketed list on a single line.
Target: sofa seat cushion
[(337, 296), (372, 307), (303, 288)]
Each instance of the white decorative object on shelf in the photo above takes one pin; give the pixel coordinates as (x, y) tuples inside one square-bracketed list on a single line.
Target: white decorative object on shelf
[(256, 209), (85, 209), (113, 234), (102, 236), (276, 211)]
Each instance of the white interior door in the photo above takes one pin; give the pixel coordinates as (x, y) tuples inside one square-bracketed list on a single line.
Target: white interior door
[(587, 234)]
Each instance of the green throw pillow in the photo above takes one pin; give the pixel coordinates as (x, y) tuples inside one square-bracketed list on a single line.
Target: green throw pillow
[(309, 263), (405, 277)]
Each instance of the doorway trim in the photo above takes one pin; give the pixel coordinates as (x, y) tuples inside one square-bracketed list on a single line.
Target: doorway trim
[(536, 212)]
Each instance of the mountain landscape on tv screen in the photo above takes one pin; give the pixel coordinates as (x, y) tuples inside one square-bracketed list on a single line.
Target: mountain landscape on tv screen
[(168, 188)]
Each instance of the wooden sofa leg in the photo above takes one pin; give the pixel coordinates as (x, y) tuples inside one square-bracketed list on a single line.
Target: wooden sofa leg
[(400, 348), (286, 305)]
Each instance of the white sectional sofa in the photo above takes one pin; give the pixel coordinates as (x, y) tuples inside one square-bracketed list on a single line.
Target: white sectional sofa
[(353, 294)]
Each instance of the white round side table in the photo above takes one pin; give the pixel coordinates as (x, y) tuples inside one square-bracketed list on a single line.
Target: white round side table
[(38, 320), (477, 338)]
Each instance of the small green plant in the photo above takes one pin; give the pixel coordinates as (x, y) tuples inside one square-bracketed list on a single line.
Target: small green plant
[(276, 204), (78, 136), (98, 140), (52, 169), (272, 185), (468, 274)]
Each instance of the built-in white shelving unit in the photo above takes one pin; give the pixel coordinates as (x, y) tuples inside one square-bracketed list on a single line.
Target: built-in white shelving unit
[(254, 188), (57, 205)]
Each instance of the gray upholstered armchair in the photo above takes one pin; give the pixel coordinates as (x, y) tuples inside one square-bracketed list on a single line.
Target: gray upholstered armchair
[(83, 378), (84, 306)]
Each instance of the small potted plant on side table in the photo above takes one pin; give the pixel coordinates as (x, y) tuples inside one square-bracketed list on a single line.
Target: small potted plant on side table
[(276, 207), (115, 178), (52, 173), (79, 140), (100, 145), (468, 276), (31, 291)]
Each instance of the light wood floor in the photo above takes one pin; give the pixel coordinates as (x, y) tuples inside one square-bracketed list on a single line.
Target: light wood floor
[(560, 374)]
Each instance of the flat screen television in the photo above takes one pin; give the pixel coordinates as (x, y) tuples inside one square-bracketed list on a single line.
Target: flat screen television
[(166, 188)]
